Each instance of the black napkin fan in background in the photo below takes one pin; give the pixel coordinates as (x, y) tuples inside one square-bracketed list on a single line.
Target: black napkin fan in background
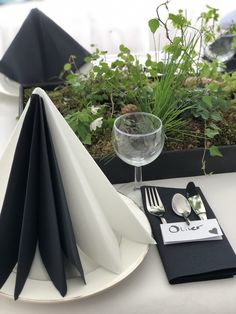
[(196, 261), (35, 208), (39, 51)]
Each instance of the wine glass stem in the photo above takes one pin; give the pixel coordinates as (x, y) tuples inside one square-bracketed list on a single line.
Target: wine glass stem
[(137, 177)]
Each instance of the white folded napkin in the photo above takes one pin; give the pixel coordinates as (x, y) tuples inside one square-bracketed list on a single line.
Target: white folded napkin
[(97, 211)]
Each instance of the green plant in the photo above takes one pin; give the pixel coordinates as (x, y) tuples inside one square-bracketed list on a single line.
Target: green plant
[(112, 85), (107, 86), (169, 75), (206, 103), (189, 94), (85, 122)]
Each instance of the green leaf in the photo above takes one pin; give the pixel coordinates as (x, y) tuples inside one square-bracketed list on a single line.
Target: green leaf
[(214, 151), (124, 49), (87, 139), (84, 116), (96, 68), (153, 25), (67, 67), (118, 63), (207, 100), (214, 126), (211, 133), (71, 76), (178, 20), (148, 62), (160, 67), (213, 86), (216, 116), (130, 58), (204, 114)]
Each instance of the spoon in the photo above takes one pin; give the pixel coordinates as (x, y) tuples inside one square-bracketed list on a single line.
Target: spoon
[(181, 206)]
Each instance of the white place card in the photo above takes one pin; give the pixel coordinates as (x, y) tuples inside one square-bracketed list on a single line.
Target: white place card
[(198, 230)]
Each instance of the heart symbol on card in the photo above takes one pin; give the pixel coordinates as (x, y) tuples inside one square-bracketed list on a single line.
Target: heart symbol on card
[(214, 231)]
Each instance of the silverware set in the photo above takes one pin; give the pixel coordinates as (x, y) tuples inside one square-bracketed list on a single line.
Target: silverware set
[(181, 205)]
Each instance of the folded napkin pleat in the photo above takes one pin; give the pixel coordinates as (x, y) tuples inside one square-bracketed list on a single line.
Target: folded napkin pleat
[(13, 206), (37, 212), (49, 234), (67, 237), (29, 228)]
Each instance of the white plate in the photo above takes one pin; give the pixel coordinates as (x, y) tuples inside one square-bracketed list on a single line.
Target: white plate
[(8, 86), (98, 279)]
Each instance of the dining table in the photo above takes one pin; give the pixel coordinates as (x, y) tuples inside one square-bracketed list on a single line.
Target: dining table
[(146, 290)]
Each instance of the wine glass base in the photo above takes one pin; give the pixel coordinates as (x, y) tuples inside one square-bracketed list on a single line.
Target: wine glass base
[(131, 192)]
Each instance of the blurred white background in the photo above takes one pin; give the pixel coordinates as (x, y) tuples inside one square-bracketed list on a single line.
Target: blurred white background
[(105, 23)]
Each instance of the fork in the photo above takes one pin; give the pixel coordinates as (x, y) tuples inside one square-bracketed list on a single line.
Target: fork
[(154, 204)]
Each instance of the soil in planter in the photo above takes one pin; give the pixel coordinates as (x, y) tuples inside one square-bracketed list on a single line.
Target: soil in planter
[(192, 137), (62, 96)]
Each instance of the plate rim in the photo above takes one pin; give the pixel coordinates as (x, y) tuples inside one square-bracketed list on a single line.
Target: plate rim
[(4, 82), (116, 278)]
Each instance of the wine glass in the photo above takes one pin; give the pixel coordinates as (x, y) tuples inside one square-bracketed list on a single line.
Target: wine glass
[(138, 139)]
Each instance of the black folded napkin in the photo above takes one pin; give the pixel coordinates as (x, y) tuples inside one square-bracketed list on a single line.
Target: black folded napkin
[(196, 261), (35, 207), (39, 51)]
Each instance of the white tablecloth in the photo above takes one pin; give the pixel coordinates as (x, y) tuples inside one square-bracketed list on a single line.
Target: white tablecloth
[(147, 290)]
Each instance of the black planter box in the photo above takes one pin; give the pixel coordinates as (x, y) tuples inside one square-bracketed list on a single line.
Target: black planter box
[(171, 164)]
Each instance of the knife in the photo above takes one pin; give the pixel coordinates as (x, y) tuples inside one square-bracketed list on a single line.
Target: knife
[(195, 201)]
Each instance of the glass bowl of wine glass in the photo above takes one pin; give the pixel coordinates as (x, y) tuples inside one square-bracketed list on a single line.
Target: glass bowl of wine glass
[(138, 139)]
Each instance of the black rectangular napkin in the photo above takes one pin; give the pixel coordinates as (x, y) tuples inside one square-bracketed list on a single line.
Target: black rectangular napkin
[(39, 51), (195, 261), (35, 209)]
